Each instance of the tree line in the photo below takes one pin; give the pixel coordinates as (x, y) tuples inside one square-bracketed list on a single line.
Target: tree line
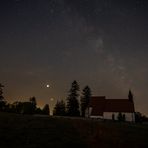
[(75, 104), (27, 107)]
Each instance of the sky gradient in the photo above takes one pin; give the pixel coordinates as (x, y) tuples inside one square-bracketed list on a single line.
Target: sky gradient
[(100, 43)]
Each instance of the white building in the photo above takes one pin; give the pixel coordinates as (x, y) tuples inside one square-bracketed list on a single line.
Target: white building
[(100, 107)]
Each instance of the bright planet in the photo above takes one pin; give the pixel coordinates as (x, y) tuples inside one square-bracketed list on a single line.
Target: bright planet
[(47, 85)]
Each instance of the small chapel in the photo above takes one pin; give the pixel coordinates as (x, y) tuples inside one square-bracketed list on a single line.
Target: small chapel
[(102, 108)]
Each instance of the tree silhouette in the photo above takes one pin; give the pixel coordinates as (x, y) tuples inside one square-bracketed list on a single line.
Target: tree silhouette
[(26, 108), (138, 117), (45, 110), (113, 117), (121, 117), (86, 96), (2, 100), (1, 92), (17, 107), (33, 103), (59, 108), (38, 111), (72, 100)]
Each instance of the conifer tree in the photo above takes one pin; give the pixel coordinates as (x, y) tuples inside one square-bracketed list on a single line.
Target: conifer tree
[(72, 100), (46, 110), (33, 104), (85, 99), (59, 108), (2, 100), (1, 92)]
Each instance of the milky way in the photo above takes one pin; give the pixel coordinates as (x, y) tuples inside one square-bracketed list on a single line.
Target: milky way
[(100, 43)]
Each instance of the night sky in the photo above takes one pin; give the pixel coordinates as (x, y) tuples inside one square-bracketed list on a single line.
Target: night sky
[(100, 43)]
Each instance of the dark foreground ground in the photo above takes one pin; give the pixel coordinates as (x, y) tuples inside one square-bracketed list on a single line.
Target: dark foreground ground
[(24, 131)]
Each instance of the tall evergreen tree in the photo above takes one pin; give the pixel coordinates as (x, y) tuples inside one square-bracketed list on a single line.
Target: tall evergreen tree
[(46, 110), (72, 100), (1, 92), (2, 101), (27, 108), (85, 99), (33, 103), (59, 108)]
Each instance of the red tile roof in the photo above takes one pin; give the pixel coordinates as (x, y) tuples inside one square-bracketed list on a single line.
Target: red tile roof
[(100, 104), (119, 105)]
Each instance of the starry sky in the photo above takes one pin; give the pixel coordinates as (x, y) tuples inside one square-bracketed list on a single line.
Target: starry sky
[(100, 43)]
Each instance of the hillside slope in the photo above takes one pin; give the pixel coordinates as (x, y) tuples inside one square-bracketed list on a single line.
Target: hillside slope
[(21, 131)]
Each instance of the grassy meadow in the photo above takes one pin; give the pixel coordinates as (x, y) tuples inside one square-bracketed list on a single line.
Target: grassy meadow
[(28, 131)]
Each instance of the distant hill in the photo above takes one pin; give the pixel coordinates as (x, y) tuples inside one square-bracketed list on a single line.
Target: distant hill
[(26, 131)]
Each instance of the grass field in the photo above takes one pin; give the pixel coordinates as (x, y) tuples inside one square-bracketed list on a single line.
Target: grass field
[(26, 131)]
